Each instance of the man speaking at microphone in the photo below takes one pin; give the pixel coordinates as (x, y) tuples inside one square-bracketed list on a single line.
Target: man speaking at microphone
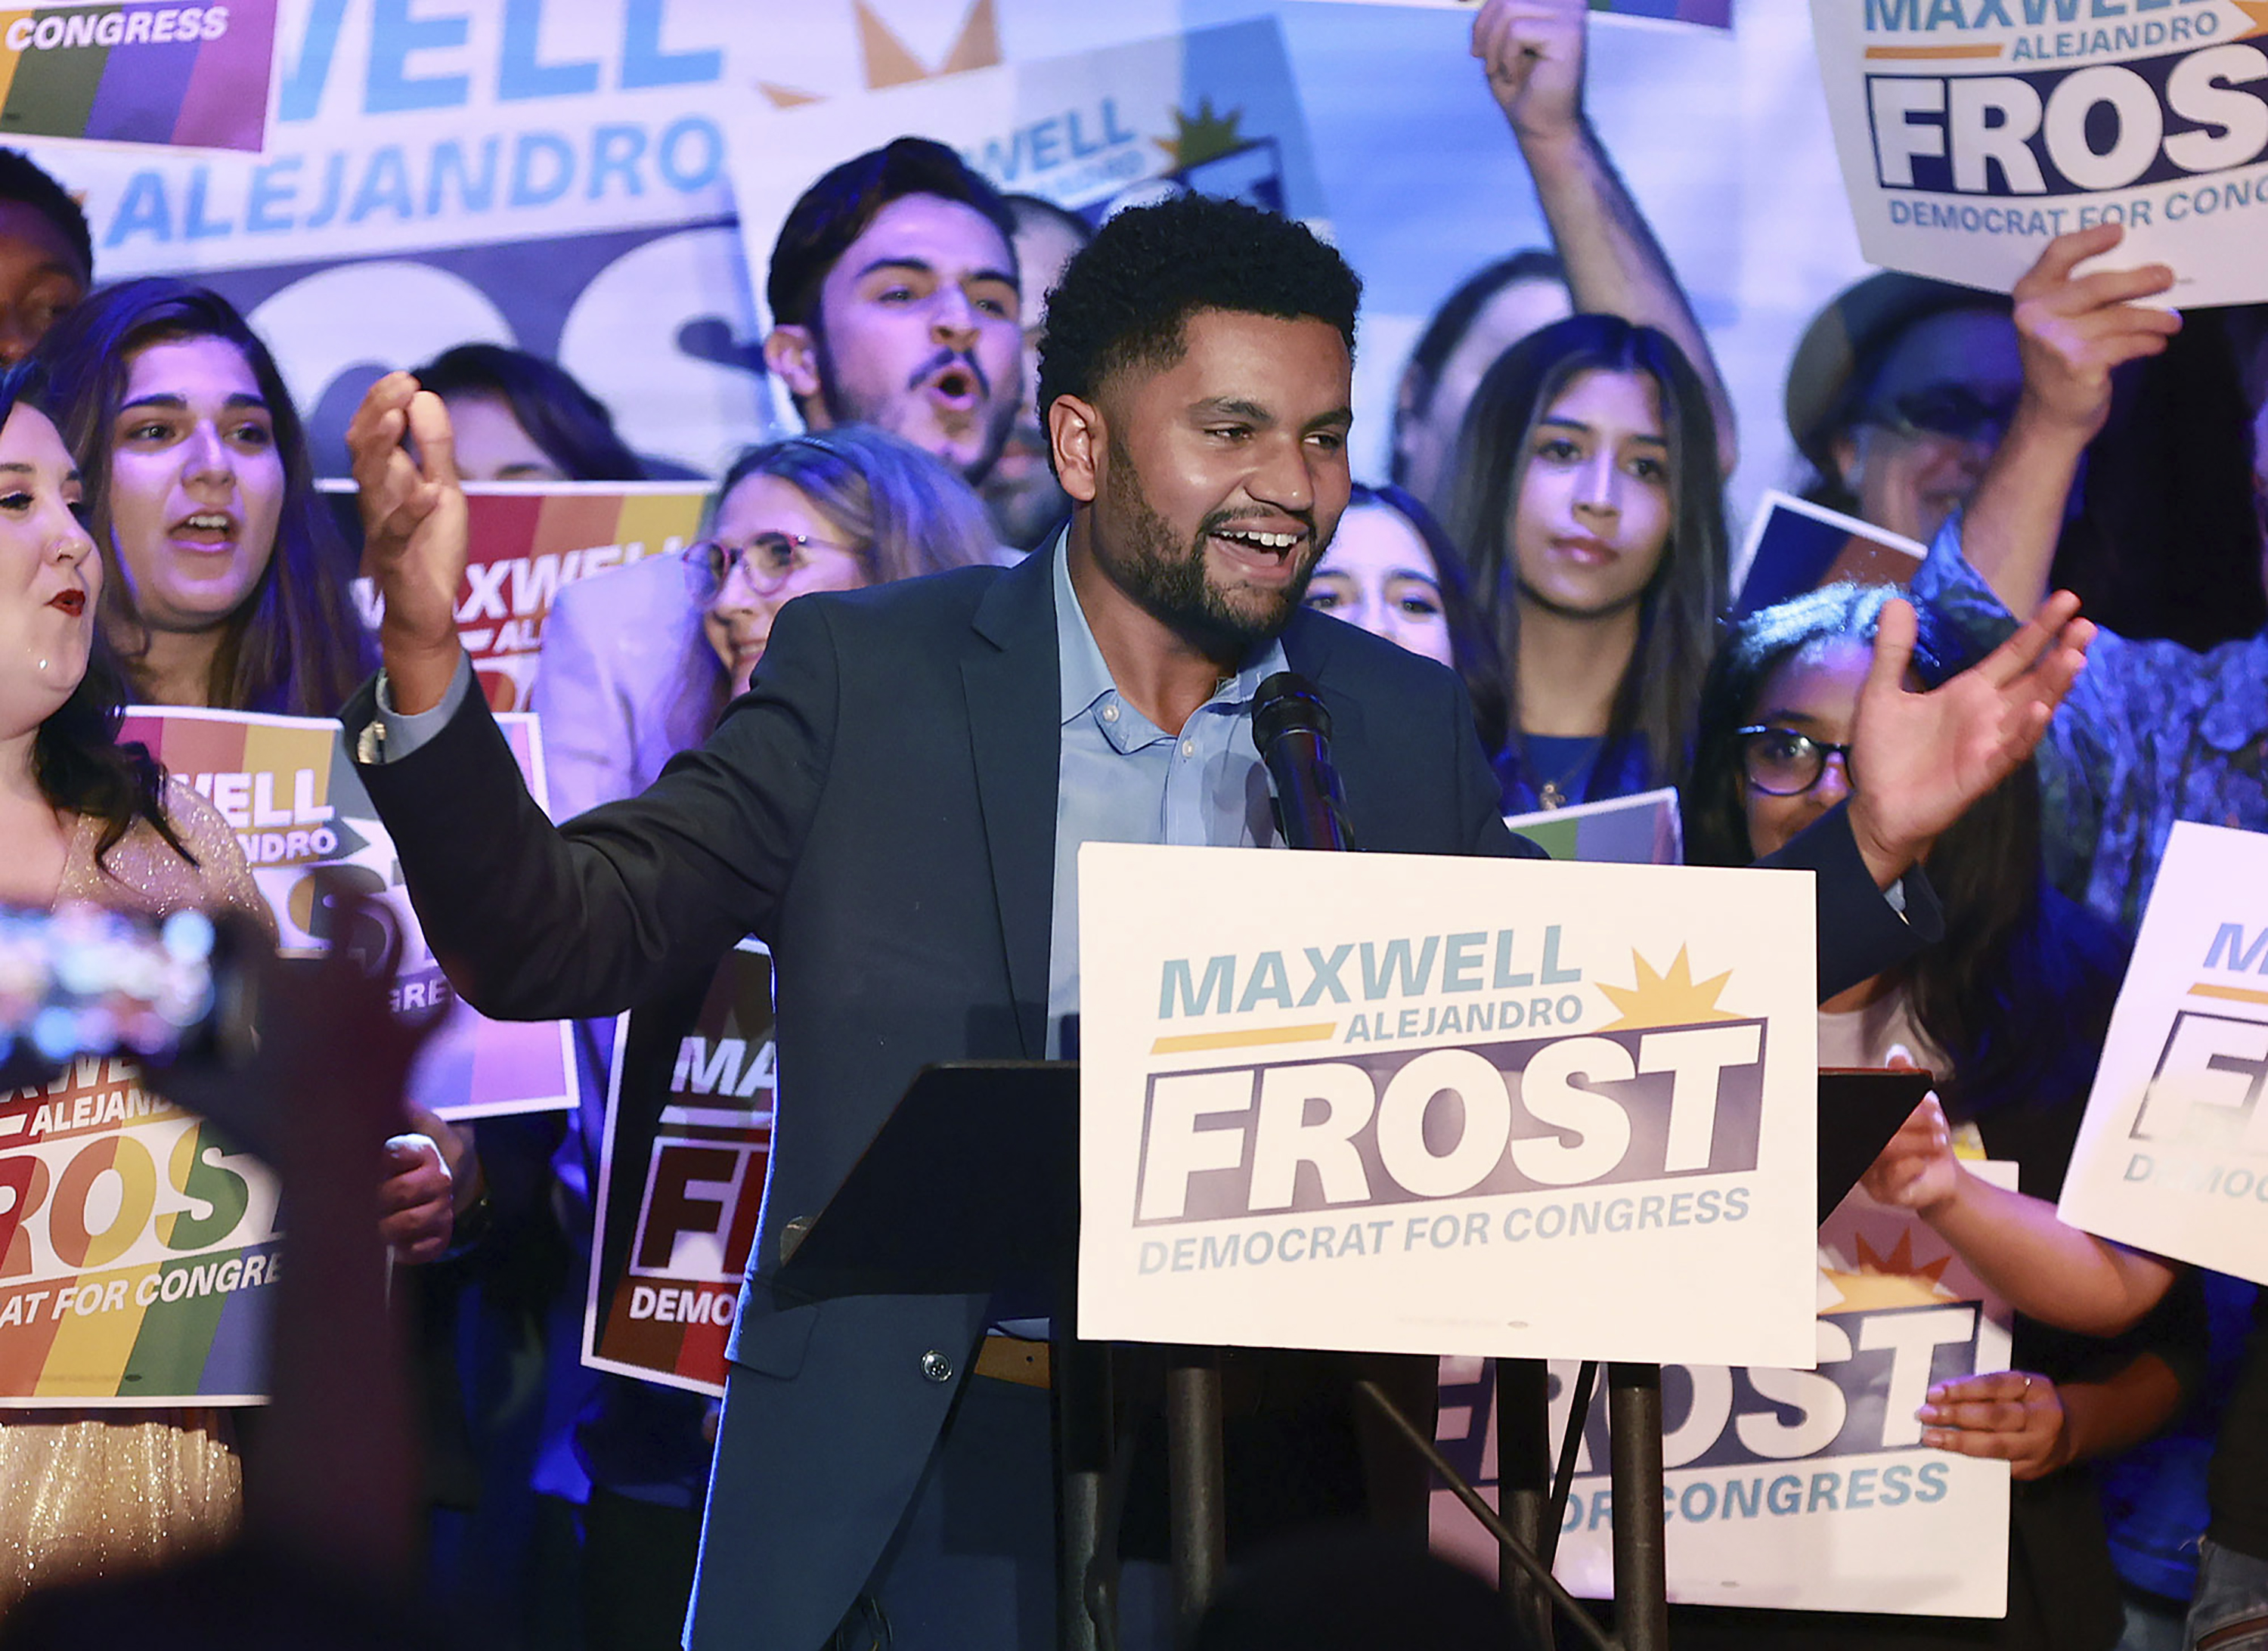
[(896, 806)]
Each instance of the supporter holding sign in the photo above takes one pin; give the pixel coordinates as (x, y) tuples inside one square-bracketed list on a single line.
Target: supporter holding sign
[(227, 588), (88, 819), (2010, 1013), (1970, 137)]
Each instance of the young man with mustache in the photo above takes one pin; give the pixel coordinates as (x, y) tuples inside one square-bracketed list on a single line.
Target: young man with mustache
[(897, 808)]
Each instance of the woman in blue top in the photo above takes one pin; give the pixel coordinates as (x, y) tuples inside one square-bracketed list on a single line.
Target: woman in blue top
[(1587, 499)]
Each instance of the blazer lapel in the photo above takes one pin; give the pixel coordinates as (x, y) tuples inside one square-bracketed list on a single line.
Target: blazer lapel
[(1011, 680), (1307, 649)]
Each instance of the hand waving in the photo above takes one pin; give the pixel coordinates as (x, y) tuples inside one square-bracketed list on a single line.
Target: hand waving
[(1925, 758), (414, 533)]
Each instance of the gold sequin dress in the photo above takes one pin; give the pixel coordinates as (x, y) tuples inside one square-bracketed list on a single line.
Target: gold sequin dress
[(99, 1493)]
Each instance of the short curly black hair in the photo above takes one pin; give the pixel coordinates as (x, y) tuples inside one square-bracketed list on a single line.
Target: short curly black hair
[(23, 178), (1124, 299)]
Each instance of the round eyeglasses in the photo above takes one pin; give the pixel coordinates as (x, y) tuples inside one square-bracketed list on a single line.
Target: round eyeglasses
[(1781, 762), (768, 563)]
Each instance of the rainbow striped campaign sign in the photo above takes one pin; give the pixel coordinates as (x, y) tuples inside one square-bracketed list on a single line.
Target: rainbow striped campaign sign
[(530, 538), (137, 1248), (287, 785), (141, 73)]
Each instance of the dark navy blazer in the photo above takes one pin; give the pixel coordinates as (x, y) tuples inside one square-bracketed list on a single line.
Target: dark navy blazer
[(881, 809)]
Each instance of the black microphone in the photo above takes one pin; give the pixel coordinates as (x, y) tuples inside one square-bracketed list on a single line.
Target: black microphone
[(1292, 728)]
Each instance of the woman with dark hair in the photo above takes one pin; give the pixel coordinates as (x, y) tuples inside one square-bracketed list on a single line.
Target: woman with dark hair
[(1586, 496), (226, 585), (1392, 569), (520, 419), (2008, 1012), (87, 819), (229, 583)]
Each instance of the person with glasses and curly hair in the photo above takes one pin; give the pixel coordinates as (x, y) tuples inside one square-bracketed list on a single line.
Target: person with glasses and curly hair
[(2008, 1012)]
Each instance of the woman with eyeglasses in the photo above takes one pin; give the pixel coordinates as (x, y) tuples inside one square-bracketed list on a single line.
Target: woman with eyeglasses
[(831, 511), (2008, 1013), (637, 665)]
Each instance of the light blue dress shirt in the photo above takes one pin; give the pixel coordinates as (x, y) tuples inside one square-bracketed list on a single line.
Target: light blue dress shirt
[(1124, 780)]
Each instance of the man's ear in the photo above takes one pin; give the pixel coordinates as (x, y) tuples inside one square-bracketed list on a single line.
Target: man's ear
[(1850, 463), (1077, 437), (792, 355)]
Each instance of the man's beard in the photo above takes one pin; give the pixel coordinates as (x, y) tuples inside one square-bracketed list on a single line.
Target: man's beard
[(1168, 578), (995, 416)]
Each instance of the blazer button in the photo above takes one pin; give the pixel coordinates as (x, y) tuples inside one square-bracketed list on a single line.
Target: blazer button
[(935, 1366)]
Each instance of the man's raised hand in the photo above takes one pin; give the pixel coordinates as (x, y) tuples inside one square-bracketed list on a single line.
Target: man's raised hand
[(1921, 760), (414, 533), (2074, 329)]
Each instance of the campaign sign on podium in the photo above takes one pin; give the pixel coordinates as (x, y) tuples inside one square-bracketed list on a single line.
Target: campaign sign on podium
[(1420, 1104), (2172, 1156)]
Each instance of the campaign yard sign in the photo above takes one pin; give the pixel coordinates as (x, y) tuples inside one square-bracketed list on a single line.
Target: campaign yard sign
[(2172, 1156), (1794, 546), (147, 73), (1413, 1103), (287, 787), (1971, 131), (1644, 829), (681, 1164), (528, 540), (137, 1248), (1796, 1489)]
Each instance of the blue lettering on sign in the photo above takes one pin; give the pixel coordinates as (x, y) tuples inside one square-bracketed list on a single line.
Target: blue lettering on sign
[(394, 36), (301, 95), (2228, 942), (646, 65), (521, 77)]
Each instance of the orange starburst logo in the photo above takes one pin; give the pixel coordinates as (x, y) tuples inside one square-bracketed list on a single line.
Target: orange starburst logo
[(1892, 1278), (1674, 999)]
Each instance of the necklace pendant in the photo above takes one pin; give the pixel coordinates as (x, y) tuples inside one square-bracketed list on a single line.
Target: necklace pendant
[(1552, 796)]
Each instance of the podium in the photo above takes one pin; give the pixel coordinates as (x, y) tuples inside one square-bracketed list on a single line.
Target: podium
[(972, 1187)]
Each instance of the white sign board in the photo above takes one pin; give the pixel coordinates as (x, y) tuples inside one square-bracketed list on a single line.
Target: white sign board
[(1797, 1489), (1971, 131), (2172, 1156), (1412, 1103)]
